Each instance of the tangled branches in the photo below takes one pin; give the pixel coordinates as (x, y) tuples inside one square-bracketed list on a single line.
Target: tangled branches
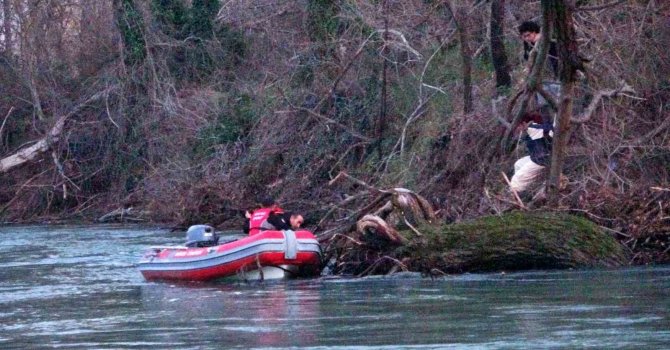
[(376, 228)]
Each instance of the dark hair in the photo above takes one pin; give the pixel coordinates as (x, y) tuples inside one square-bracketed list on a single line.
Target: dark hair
[(529, 26), (266, 201), (532, 116)]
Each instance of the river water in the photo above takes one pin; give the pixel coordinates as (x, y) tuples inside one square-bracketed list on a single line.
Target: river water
[(78, 288)]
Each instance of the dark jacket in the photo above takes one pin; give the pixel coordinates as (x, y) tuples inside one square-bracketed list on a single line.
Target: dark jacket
[(277, 221), (540, 149), (552, 56)]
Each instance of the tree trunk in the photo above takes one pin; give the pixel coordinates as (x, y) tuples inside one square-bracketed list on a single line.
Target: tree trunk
[(87, 38), (569, 62), (381, 122), (7, 24), (461, 19), (514, 241), (498, 53)]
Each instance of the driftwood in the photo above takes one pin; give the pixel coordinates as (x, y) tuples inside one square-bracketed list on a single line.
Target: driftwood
[(374, 225), (124, 215)]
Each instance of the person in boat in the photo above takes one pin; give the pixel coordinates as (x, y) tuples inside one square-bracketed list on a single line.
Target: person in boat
[(538, 137), (256, 217), (283, 221)]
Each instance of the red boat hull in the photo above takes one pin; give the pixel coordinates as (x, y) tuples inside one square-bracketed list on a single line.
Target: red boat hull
[(270, 248)]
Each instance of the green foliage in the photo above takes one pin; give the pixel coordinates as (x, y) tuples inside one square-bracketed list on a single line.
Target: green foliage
[(201, 19), (304, 75), (178, 21), (322, 21), (171, 15), (205, 46), (231, 125), (233, 46), (131, 25)]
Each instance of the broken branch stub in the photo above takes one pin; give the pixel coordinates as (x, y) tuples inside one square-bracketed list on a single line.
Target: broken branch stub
[(375, 231)]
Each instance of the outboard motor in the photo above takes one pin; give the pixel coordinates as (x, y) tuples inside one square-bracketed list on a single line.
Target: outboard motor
[(201, 236)]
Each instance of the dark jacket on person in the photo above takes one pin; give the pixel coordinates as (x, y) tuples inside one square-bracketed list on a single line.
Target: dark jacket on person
[(539, 149), (277, 221), (552, 56)]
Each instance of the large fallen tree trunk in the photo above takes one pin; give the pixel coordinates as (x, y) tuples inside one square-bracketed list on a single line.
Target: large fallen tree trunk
[(514, 241)]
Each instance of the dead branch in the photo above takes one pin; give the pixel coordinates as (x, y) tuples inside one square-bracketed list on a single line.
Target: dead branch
[(516, 195), (412, 227), (37, 104), (385, 210), (343, 174), (329, 121), (593, 105), (646, 138), (351, 239), (42, 146), (343, 203), (600, 7), (5, 121), (374, 265), (345, 153), (16, 194), (491, 202), (401, 44), (124, 214), (379, 228), (29, 153)]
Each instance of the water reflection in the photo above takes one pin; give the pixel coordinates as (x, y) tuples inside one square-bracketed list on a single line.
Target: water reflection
[(78, 288), (261, 315)]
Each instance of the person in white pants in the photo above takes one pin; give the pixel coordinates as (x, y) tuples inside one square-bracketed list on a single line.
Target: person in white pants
[(538, 140)]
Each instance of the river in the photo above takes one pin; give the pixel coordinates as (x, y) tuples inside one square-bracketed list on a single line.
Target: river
[(69, 287)]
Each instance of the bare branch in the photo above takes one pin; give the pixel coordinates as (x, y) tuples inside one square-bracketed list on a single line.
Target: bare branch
[(343, 174), (29, 153), (5, 120), (593, 105), (600, 7), (327, 120)]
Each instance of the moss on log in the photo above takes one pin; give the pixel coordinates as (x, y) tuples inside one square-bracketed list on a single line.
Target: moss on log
[(514, 241)]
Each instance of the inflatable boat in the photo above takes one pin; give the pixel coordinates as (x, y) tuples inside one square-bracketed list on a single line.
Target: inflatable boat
[(266, 255)]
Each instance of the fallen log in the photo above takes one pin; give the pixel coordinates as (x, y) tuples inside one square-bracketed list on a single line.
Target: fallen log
[(510, 242), (514, 241)]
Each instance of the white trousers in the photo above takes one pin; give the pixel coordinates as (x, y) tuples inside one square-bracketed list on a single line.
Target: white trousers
[(525, 173)]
